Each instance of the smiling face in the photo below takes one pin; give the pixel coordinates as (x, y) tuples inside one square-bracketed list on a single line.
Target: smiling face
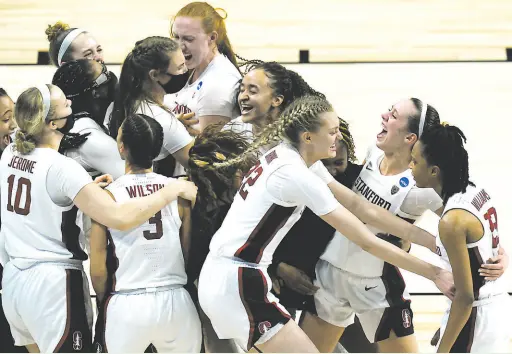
[(85, 46), (7, 122), (256, 97), (395, 127), (322, 143)]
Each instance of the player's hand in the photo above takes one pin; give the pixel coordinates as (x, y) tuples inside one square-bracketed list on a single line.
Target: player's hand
[(296, 279), (188, 120), (103, 180), (495, 267), (444, 282), (185, 189)]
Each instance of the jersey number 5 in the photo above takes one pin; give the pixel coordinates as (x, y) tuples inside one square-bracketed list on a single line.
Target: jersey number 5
[(250, 178), (157, 221), (23, 184), (492, 217)]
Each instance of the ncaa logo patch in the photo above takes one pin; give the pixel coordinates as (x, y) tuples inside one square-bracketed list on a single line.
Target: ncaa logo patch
[(77, 340), (394, 190), (264, 326), (406, 317), (404, 181), (199, 85)]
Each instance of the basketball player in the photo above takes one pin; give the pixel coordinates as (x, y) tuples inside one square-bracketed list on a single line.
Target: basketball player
[(90, 87), (7, 129), (266, 90), (270, 200), (38, 185), (210, 91), (153, 63), (71, 43), (293, 264), (145, 302), (479, 316)]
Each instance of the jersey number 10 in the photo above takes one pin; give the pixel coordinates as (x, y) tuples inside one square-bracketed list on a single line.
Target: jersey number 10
[(23, 184), (492, 217)]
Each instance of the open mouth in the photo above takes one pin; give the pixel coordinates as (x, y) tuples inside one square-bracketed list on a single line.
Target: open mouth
[(383, 132), (333, 147), (245, 108)]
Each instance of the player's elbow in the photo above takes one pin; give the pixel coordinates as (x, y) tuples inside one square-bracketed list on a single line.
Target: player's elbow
[(464, 298)]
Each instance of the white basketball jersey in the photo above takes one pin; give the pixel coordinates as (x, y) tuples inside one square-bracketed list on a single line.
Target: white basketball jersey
[(149, 255), (479, 203), (387, 192), (31, 221), (212, 94), (257, 221)]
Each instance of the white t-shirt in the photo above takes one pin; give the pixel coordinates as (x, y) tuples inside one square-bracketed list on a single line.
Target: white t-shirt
[(271, 199), (212, 94), (99, 154), (36, 189), (176, 136)]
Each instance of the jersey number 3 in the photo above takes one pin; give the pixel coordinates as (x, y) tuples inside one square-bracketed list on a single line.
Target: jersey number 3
[(157, 221), (250, 178), (492, 217), (23, 185)]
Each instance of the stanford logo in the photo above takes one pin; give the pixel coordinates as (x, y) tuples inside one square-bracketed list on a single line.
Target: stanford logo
[(438, 251), (264, 326), (77, 340), (99, 348), (394, 190), (406, 317)]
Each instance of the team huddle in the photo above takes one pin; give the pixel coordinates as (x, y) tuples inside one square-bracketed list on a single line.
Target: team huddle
[(216, 197)]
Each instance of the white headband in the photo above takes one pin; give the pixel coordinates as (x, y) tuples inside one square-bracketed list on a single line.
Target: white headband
[(424, 107), (45, 92), (67, 42)]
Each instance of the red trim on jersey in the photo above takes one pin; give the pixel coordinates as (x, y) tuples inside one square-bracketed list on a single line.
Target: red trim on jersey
[(475, 262), (246, 306), (273, 220)]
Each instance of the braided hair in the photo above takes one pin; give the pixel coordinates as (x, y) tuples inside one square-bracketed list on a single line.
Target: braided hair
[(443, 146), (142, 136), (300, 116), (216, 185), (348, 140), (148, 54)]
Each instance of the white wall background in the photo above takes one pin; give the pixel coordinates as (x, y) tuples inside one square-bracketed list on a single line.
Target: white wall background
[(477, 97)]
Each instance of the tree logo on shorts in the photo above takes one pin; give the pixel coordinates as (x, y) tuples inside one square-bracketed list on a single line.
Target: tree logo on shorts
[(264, 326), (77, 340), (406, 317)]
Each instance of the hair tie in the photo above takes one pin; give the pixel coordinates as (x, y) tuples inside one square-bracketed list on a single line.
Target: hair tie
[(70, 37), (424, 108), (45, 93), (201, 163), (220, 156), (445, 124)]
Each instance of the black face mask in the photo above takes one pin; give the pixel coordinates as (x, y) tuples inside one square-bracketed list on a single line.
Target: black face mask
[(175, 84), (70, 122)]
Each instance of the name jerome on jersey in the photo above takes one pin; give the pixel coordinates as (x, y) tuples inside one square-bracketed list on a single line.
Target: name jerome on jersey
[(22, 164), (370, 195), (480, 199), (143, 191)]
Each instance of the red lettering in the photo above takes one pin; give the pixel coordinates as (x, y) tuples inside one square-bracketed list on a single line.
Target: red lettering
[(16, 207), (251, 178), (131, 191), (492, 217)]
